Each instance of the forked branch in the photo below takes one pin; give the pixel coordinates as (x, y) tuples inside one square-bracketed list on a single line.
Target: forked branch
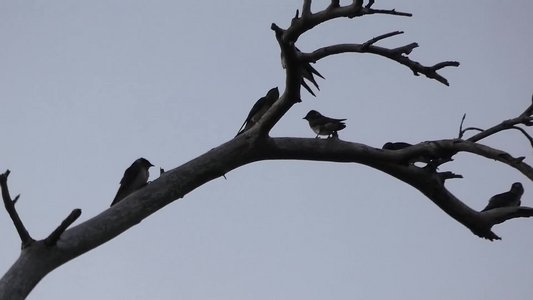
[(24, 235), (525, 119), (25, 238)]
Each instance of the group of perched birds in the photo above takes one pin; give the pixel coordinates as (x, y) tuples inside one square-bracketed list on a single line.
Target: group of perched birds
[(136, 176), (320, 124)]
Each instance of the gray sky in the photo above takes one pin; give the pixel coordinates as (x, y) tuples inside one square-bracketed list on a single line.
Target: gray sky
[(88, 87)]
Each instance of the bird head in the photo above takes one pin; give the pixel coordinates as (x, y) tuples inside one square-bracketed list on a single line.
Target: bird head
[(517, 188), (143, 161), (312, 115), (273, 94)]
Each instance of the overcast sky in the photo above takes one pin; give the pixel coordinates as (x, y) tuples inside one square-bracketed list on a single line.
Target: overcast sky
[(88, 87)]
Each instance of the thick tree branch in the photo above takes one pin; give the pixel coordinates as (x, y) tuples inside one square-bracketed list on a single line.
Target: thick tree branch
[(25, 238), (431, 184)]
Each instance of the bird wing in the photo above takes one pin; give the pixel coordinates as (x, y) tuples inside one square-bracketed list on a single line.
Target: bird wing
[(332, 120), (502, 200), (125, 183), (129, 175), (257, 107), (395, 145)]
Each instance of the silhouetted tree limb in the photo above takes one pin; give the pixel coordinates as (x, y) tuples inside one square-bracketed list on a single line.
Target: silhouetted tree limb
[(525, 118), (430, 183), (25, 238), (56, 234)]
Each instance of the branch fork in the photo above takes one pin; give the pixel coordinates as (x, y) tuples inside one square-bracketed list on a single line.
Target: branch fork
[(25, 238)]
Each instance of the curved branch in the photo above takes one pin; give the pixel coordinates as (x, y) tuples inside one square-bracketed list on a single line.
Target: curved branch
[(309, 20), (396, 54), (431, 184), (526, 135), (525, 118)]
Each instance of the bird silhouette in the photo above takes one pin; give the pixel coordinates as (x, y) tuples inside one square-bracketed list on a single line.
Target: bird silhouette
[(507, 199), (395, 145), (135, 177), (323, 125), (259, 109)]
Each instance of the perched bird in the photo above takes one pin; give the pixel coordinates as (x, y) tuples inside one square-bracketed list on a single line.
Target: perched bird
[(423, 158), (308, 73), (507, 199), (135, 177), (259, 109), (395, 145), (322, 125)]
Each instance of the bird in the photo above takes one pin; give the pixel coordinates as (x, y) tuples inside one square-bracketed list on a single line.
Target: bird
[(323, 125), (135, 177), (423, 158), (395, 145), (259, 109), (308, 73), (507, 199)]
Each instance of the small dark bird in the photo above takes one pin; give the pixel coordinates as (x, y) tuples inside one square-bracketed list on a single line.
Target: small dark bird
[(395, 145), (308, 73), (135, 177), (322, 125), (259, 109), (423, 158), (507, 199)]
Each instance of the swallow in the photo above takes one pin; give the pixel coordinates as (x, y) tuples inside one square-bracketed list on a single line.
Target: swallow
[(395, 145), (259, 109), (322, 125), (307, 71), (424, 158), (135, 177), (507, 199)]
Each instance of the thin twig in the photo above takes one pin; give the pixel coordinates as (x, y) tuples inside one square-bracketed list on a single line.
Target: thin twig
[(528, 137), (52, 239), (379, 38), (461, 132)]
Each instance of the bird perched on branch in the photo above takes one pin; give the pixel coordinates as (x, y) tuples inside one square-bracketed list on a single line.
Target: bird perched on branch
[(395, 145), (322, 125), (308, 73), (507, 199), (259, 109), (403, 145), (135, 177)]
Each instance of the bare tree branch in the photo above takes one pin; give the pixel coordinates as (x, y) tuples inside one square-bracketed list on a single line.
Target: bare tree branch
[(396, 54), (376, 39), (25, 237), (525, 118), (431, 184), (52, 239)]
